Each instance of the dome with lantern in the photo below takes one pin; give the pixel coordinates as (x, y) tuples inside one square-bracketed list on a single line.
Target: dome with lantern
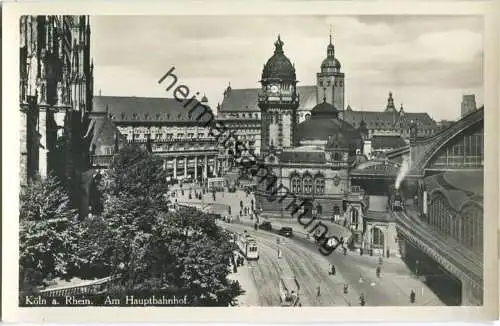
[(279, 66)]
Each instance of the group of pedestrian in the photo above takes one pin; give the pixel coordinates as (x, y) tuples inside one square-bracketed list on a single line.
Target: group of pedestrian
[(236, 261), (331, 269)]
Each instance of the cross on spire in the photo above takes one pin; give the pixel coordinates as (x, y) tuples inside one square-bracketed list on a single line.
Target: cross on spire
[(330, 34)]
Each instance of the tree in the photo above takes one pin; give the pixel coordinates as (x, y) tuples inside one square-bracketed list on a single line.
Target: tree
[(156, 251), (47, 235)]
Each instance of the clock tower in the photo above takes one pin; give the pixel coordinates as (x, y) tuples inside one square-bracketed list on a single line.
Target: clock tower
[(278, 102)]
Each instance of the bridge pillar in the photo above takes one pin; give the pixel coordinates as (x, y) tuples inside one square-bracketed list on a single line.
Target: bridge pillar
[(472, 295)]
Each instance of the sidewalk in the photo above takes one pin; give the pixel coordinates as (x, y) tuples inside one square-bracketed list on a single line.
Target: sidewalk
[(250, 298), (403, 284)]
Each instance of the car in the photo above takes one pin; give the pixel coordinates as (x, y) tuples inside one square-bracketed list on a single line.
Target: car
[(266, 226), (286, 231)]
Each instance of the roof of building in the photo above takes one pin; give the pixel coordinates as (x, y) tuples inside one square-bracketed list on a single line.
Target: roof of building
[(306, 156), (458, 187), (246, 99), (325, 110), (325, 125), (379, 142), (279, 66), (145, 109), (388, 120)]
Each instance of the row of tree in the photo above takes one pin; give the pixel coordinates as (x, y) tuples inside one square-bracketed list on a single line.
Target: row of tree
[(153, 249)]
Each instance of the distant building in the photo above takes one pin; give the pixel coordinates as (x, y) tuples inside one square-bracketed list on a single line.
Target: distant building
[(391, 121), (56, 86), (173, 131), (468, 104)]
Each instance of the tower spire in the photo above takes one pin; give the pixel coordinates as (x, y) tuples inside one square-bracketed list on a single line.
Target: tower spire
[(330, 34)]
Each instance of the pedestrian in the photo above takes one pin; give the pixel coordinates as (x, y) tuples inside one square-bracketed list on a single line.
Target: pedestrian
[(330, 269), (346, 289), (318, 291), (412, 296), (378, 271), (241, 204), (362, 300)]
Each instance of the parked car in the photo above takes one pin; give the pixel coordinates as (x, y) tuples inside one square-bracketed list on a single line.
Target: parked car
[(286, 231), (267, 226)]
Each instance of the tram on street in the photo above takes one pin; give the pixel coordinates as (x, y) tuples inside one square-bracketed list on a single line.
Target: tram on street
[(248, 246)]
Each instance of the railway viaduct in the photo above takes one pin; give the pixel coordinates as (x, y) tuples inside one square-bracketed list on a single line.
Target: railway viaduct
[(440, 235)]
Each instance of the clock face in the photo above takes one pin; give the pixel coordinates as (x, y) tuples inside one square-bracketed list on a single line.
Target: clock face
[(274, 89)]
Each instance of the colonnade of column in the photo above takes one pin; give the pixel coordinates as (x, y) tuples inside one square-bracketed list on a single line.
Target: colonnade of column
[(173, 164)]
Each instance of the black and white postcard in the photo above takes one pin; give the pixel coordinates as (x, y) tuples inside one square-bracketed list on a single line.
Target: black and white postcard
[(329, 160)]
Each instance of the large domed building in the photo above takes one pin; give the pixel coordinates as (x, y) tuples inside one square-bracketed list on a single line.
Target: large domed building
[(311, 159)]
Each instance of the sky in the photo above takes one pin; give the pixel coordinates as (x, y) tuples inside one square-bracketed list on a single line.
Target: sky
[(427, 62)]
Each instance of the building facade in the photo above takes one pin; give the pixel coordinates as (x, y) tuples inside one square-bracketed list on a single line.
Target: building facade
[(243, 110), (56, 86), (241, 120), (170, 129)]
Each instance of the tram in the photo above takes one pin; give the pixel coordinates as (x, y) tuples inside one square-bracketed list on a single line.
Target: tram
[(248, 246)]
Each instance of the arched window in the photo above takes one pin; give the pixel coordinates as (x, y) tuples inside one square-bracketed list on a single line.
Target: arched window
[(336, 157), (308, 184), (319, 184), (296, 184), (336, 210)]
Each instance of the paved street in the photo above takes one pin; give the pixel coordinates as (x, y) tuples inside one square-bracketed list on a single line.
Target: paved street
[(310, 267)]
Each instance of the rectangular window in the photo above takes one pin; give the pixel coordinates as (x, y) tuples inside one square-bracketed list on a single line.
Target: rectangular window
[(179, 135)]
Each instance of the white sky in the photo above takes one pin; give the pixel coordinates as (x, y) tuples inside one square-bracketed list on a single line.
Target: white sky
[(428, 62)]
